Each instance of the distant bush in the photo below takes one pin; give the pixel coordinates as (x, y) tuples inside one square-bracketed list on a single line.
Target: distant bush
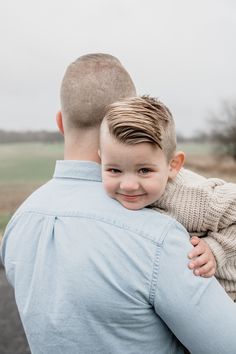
[(197, 137)]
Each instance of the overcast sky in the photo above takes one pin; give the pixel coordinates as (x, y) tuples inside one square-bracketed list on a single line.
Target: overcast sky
[(183, 51)]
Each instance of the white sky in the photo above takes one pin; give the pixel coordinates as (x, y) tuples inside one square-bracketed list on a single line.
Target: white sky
[(183, 51)]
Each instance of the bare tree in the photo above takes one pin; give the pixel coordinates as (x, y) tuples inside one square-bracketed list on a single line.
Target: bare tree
[(223, 131)]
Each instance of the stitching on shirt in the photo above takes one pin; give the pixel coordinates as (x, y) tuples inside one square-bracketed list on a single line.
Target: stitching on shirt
[(154, 275), (73, 179), (112, 222), (156, 264)]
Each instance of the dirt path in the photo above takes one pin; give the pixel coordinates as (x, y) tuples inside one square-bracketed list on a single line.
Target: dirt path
[(12, 337)]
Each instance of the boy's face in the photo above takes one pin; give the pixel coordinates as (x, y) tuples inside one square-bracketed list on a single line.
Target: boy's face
[(135, 175)]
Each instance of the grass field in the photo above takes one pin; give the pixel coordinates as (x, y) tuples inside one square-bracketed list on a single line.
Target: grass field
[(203, 159), (21, 163), (24, 167)]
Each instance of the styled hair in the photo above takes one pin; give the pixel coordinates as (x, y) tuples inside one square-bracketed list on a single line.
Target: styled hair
[(91, 83), (142, 119)]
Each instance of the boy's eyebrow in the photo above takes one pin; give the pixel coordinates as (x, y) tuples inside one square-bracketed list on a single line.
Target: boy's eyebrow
[(138, 165)]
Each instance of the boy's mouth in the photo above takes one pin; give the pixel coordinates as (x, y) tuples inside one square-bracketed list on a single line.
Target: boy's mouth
[(130, 197)]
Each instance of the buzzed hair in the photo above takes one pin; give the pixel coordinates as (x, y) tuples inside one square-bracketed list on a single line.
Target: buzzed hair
[(91, 83), (142, 119)]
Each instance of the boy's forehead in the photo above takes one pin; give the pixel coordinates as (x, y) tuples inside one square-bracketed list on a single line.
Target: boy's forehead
[(135, 154), (104, 130), (142, 151)]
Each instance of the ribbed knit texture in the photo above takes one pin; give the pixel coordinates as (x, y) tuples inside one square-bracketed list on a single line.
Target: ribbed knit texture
[(206, 207)]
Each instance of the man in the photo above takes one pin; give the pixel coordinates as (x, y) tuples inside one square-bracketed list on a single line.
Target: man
[(93, 277)]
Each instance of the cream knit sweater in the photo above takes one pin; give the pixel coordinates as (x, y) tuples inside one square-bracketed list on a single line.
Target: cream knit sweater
[(206, 207)]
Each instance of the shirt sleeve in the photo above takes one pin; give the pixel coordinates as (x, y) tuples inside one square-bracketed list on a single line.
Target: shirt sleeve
[(196, 309)]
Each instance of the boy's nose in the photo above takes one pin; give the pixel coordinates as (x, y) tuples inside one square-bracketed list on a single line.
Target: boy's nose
[(129, 185)]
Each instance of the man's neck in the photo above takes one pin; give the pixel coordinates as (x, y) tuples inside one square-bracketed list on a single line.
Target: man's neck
[(82, 147)]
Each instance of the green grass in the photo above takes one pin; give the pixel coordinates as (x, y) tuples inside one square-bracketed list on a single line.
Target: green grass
[(22, 166), (28, 162), (4, 218)]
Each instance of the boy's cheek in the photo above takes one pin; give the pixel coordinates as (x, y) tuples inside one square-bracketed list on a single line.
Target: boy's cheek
[(109, 185)]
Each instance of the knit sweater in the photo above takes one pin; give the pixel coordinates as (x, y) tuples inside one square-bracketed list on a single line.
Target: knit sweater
[(207, 208)]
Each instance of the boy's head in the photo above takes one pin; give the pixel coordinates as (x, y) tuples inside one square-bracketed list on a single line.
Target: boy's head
[(138, 151)]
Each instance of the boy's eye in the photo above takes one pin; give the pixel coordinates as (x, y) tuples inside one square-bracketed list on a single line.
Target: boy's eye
[(144, 171), (113, 170)]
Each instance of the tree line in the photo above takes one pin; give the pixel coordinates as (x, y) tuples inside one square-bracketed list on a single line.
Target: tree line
[(44, 136), (222, 132), (41, 136)]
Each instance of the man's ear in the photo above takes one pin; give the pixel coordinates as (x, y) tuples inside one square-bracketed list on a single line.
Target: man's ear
[(60, 122), (176, 164)]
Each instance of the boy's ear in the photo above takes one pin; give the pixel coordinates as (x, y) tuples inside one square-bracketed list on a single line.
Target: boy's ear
[(99, 153), (176, 164), (60, 122)]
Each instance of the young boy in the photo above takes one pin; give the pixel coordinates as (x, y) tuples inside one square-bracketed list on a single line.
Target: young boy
[(141, 167)]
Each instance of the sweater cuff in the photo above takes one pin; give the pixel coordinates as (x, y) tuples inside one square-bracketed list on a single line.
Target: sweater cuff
[(217, 251)]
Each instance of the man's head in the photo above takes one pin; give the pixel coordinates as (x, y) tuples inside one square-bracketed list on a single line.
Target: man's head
[(138, 151), (91, 83)]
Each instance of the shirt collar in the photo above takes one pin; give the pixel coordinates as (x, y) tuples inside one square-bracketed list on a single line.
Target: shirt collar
[(86, 170)]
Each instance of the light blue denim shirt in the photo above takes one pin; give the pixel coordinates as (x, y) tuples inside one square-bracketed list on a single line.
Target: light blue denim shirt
[(93, 277)]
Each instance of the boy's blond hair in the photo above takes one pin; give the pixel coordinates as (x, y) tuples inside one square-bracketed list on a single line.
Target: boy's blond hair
[(91, 83), (142, 119)]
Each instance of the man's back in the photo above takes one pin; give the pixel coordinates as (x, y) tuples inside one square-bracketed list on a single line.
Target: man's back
[(93, 277)]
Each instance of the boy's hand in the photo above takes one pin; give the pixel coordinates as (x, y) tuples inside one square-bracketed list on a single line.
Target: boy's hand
[(202, 259)]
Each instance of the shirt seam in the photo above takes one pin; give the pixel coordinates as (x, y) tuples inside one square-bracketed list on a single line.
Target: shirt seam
[(156, 265), (74, 178), (112, 222)]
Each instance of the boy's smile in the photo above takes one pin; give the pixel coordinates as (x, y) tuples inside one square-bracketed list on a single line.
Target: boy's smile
[(135, 175)]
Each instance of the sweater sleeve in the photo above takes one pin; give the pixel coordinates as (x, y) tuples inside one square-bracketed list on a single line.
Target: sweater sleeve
[(221, 210), (220, 221), (205, 206), (186, 200), (200, 204), (223, 245)]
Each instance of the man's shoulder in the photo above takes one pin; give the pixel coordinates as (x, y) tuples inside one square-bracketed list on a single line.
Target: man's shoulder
[(88, 200), (34, 198), (147, 223)]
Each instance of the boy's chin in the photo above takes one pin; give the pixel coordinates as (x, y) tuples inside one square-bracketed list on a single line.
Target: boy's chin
[(132, 206), (131, 202)]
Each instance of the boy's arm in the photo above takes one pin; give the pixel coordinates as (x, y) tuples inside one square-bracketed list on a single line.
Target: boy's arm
[(217, 199), (211, 253), (220, 220), (223, 244), (222, 247), (202, 259), (220, 211)]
